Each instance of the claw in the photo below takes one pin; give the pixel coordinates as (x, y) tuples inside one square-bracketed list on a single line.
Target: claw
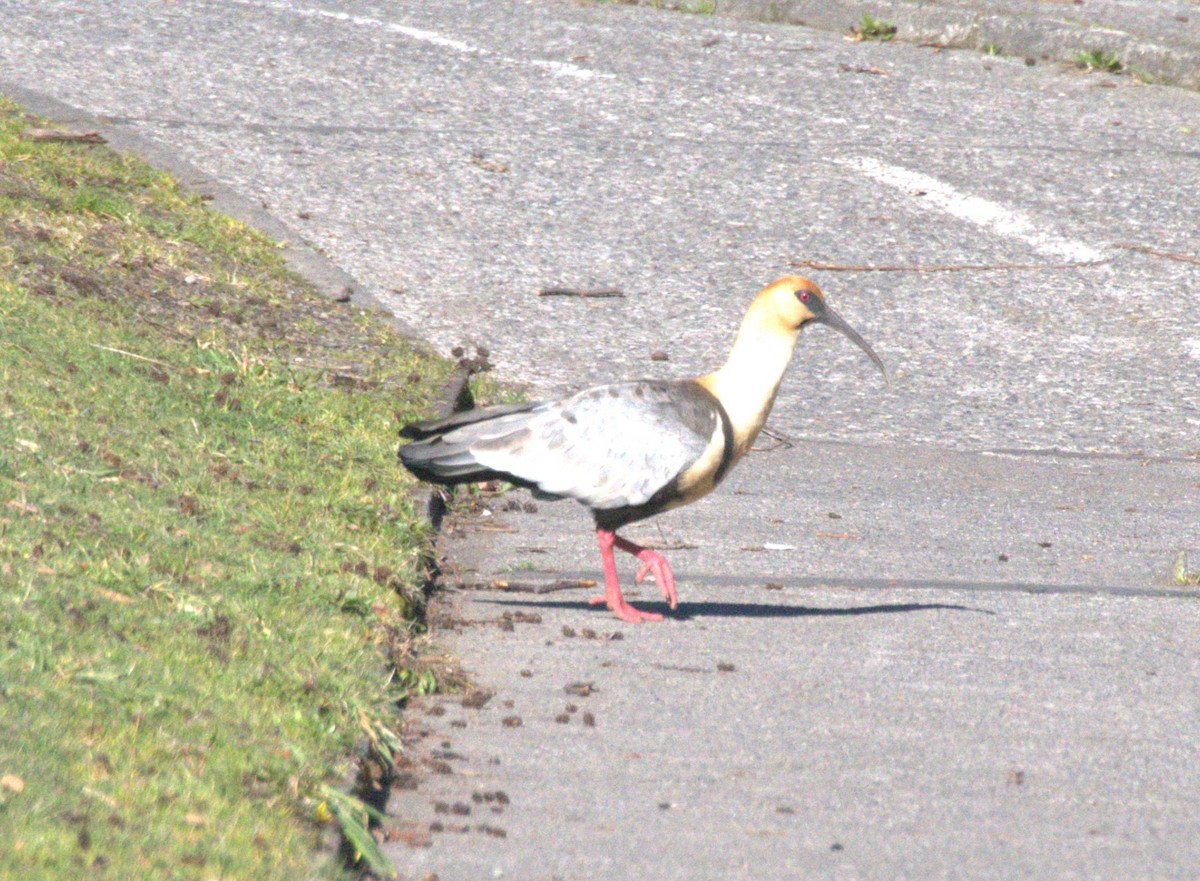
[(656, 565), (625, 611), (653, 564)]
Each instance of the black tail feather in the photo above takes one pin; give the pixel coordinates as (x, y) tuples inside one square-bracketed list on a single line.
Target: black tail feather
[(433, 427)]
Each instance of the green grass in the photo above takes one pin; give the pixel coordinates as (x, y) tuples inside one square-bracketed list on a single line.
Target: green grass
[(699, 7), (871, 28), (1097, 59), (991, 49), (207, 550), (1182, 575)]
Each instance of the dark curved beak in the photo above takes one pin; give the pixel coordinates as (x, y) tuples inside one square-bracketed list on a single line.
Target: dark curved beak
[(836, 321)]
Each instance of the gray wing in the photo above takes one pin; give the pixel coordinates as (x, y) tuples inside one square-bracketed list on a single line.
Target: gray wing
[(608, 447)]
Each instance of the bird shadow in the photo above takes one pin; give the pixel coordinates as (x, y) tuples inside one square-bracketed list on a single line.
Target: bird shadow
[(689, 610)]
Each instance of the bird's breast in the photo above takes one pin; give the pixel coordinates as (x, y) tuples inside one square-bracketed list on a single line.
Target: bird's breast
[(702, 476)]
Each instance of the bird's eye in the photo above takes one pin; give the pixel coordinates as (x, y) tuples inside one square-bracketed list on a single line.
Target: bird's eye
[(803, 295)]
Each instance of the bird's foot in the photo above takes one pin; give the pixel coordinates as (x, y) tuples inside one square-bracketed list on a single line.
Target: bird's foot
[(656, 565), (624, 611)]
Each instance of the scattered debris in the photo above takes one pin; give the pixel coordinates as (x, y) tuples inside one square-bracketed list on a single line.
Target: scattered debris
[(851, 68), (474, 700), (511, 722), (580, 689), (479, 157)]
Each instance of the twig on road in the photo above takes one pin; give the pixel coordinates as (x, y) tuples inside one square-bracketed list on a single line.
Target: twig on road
[(581, 292), (949, 267), (1146, 249)]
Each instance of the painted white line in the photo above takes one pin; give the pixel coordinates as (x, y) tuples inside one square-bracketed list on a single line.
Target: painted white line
[(558, 68), (563, 68), (990, 215)]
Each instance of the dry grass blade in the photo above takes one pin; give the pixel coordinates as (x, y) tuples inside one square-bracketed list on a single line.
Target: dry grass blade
[(354, 818)]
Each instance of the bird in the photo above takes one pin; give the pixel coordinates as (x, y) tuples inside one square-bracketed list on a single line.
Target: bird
[(633, 449)]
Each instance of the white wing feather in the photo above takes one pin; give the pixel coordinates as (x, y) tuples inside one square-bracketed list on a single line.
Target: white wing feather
[(608, 447)]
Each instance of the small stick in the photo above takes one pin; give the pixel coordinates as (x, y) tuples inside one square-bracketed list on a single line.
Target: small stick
[(580, 292), (780, 440), (53, 134), (525, 587), (877, 71), (952, 267), (1146, 249)]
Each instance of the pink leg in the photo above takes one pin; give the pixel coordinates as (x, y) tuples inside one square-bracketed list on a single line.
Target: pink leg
[(653, 564), (612, 588)]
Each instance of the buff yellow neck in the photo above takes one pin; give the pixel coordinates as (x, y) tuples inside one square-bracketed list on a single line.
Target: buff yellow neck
[(748, 382)]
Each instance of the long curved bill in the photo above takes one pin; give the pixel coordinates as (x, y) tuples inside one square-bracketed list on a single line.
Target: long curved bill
[(839, 324)]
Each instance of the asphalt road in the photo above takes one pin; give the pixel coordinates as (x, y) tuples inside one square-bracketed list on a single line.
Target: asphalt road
[(971, 660)]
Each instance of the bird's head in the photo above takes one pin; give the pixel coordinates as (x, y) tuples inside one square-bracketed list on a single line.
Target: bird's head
[(795, 301)]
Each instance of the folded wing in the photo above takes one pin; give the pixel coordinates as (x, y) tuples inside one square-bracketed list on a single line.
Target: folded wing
[(609, 447)]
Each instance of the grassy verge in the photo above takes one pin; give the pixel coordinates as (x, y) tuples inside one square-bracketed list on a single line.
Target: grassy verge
[(205, 540)]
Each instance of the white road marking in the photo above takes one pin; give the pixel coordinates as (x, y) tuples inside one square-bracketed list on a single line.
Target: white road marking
[(558, 68), (974, 209), (563, 68)]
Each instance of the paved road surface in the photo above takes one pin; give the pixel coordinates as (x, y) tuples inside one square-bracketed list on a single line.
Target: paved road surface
[(923, 707)]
